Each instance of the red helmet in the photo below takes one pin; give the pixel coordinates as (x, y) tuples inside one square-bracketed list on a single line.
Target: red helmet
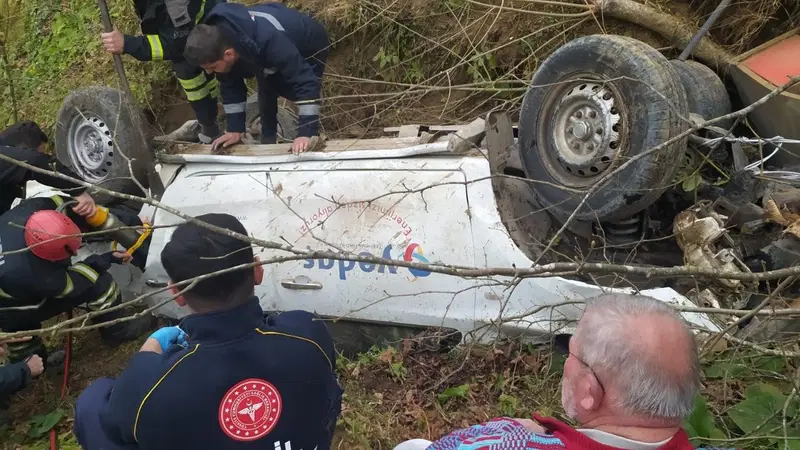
[(57, 236)]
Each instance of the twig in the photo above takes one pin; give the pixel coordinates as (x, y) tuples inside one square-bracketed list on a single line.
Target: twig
[(783, 285)]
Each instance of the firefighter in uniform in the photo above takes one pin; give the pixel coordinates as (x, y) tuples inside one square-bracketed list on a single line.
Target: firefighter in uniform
[(38, 280), (283, 48), (165, 25), (226, 377)]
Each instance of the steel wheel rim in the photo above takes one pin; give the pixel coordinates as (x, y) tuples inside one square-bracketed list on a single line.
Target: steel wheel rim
[(582, 131), (90, 147)]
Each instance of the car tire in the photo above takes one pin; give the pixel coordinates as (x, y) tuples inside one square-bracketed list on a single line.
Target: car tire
[(705, 91), (97, 128), (287, 122), (632, 100)]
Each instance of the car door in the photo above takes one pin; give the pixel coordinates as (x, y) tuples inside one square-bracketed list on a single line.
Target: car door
[(195, 192), (408, 210)]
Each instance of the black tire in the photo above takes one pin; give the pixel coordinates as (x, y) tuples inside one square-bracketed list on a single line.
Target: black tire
[(705, 91), (287, 122), (653, 105), (110, 120)]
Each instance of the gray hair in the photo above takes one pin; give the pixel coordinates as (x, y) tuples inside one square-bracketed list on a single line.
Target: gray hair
[(644, 387)]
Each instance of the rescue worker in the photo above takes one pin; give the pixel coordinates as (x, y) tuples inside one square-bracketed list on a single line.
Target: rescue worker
[(38, 280), (226, 377), (166, 24), (284, 49), (25, 141)]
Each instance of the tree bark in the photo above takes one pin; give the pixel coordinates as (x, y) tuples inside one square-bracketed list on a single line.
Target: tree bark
[(675, 30)]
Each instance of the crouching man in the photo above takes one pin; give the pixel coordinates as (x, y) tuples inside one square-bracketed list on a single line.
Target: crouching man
[(283, 48), (38, 279), (227, 377)]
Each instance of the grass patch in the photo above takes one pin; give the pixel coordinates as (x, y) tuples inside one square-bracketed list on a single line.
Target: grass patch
[(54, 47), (391, 395)]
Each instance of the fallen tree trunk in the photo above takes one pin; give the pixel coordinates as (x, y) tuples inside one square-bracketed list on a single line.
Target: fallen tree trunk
[(675, 30)]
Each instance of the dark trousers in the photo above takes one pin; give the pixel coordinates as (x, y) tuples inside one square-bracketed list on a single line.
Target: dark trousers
[(87, 427), (31, 319), (271, 87), (202, 91)]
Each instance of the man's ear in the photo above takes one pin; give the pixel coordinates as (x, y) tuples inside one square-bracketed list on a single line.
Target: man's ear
[(179, 298), (229, 54), (258, 272)]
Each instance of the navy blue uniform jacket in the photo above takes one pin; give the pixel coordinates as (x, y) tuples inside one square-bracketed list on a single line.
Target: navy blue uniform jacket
[(271, 39), (242, 382)]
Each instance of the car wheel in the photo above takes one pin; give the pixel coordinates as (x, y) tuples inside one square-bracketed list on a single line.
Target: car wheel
[(98, 130), (287, 122), (595, 103), (705, 91)]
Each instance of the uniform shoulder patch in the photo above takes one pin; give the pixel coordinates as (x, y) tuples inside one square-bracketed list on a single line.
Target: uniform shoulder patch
[(250, 410)]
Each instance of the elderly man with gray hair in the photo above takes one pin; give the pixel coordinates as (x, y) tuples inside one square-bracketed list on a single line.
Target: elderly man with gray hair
[(630, 379)]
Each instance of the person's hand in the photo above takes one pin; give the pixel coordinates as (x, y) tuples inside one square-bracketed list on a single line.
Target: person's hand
[(226, 140), (86, 206), (113, 42), (169, 335), (35, 365), (531, 425), (300, 144), (123, 257), (145, 220)]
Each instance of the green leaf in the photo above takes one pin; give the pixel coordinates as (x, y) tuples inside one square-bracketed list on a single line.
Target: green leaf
[(691, 182), (454, 391), (508, 405), (763, 403), (727, 370), (701, 422), (741, 369), (41, 424), (775, 364)]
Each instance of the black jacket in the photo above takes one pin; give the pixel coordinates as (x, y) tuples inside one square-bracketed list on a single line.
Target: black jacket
[(165, 24), (13, 176), (27, 279)]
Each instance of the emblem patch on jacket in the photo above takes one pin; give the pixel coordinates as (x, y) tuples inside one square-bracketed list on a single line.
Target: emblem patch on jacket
[(250, 410)]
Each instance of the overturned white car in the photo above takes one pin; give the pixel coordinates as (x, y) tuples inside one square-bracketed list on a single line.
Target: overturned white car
[(394, 198), (467, 196)]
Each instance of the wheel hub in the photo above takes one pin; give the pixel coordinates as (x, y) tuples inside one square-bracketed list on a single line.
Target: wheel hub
[(586, 130), (91, 148)]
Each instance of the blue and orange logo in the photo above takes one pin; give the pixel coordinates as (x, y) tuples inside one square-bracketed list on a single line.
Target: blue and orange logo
[(412, 253)]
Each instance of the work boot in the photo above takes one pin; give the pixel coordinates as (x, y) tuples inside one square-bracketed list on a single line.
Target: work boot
[(119, 333), (20, 351), (188, 132)]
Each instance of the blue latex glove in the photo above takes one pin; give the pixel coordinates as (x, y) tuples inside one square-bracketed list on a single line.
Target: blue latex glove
[(169, 335)]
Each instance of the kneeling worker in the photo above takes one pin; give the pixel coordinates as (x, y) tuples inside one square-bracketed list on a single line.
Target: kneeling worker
[(38, 280), (227, 377), (284, 49)]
